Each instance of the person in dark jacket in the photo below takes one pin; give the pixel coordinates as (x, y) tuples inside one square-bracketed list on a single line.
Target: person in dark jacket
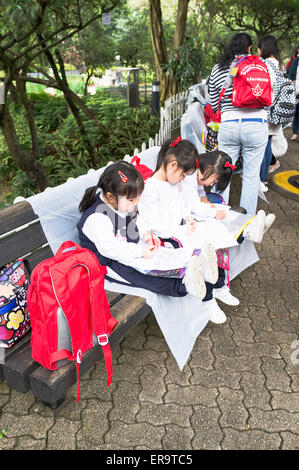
[(294, 76)]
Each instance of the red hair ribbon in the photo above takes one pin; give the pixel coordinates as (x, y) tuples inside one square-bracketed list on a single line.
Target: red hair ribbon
[(197, 163), (124, 178), (175, 142), (228, 165)]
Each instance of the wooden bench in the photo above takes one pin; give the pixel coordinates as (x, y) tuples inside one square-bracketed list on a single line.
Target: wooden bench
[(22, 236)]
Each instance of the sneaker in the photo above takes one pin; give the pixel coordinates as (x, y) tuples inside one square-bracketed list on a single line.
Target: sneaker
[(262, 187), (209, 263), (294, 137), (225, 296), (193, 279), (269, 221), (274, 167), (215, 313), (254, 231)]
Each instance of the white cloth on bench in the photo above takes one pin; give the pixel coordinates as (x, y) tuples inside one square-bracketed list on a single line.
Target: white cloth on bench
[(181, 319)]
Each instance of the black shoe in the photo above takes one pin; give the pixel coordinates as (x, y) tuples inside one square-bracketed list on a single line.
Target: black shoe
[(239, 209)]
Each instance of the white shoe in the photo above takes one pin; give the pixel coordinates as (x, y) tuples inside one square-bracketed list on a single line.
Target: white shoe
[(263, 187), (216, 315), (254, 231), (209, 263), (225, 296), (269, 221), (193, 279)]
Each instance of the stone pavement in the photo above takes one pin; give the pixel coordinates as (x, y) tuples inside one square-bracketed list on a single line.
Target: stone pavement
[(239, 390)]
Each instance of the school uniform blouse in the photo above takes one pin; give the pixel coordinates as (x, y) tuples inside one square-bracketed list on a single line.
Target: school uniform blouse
[(192, 192), (100, 230), (162, 209)]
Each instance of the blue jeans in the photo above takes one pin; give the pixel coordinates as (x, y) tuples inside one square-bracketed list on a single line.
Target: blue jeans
[(266, 160), (251, 138)]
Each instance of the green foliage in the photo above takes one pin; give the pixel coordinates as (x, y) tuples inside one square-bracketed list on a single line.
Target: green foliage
[(186, 64), (117, 131)]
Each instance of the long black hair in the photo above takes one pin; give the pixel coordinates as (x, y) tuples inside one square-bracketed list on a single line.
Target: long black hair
[(120, 179), (269, 48), (183, 151), (238, 45), (213, 163)]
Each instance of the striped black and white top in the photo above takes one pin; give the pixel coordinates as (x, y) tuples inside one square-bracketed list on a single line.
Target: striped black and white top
[(216, 82)]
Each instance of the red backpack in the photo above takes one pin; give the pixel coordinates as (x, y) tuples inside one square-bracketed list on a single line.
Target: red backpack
[(251, 83), (144, 170), (69, 309)]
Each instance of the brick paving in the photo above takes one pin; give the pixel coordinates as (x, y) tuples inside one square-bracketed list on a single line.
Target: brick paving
[(239, 390)]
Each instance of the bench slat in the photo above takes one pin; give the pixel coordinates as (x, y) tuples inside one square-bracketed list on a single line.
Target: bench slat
[(21, 243), (16, 215)]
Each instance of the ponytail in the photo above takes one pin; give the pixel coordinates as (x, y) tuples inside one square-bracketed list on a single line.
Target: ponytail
[(88, 199)]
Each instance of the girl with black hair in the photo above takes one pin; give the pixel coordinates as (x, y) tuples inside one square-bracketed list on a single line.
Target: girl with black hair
[(241, 129), (215, 169), (162, 208), (111, 228)]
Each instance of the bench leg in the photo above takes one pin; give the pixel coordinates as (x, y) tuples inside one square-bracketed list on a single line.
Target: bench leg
[(53, 405)]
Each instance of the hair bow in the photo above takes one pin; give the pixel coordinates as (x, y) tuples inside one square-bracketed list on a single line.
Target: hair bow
[(228, 165), (175, 142), (124, 178), (197, 163)]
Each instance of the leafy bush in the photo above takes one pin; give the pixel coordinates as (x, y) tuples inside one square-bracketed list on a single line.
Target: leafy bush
[(116, 131)]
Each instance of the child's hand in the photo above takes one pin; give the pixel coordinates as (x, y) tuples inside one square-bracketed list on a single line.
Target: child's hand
[(148, 238), (149, 251), (190, 225), (204, 200), (220, 215)]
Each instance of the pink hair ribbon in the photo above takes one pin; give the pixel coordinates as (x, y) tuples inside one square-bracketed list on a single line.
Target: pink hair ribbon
[(228, 165)]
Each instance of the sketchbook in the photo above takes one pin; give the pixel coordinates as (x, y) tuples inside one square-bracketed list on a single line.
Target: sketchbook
[(167, 262), (210, 231)]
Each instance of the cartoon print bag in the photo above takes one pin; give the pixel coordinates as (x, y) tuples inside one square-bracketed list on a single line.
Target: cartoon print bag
[(14, 314)]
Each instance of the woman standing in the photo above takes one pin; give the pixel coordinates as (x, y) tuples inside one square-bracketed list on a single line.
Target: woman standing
[(241, 129), (268, 50)]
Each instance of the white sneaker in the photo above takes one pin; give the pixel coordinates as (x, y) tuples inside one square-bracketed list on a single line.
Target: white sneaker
[(254, 231), (193, 279), (216, 315), (269, 221), (263, 187), (209, 263), (225, 296)]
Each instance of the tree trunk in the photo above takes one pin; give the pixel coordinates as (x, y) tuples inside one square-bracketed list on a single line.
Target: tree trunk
[(69, 97), (21, 85), (168, 86), (24, 160)]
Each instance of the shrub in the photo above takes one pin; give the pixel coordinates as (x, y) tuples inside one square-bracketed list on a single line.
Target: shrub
[(117, 131)]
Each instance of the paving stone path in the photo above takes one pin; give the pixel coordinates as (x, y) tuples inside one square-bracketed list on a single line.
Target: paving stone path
[(239, 390)]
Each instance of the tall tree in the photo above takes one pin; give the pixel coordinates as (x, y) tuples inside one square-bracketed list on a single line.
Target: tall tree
[(44, 25), (168, 84)]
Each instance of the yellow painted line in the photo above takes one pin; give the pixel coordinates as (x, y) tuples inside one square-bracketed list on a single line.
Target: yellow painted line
[(281, 179)]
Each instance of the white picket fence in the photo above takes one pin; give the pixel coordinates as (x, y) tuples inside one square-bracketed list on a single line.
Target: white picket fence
[(170, 119)]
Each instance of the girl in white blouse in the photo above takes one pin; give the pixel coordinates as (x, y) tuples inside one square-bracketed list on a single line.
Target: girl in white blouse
[(162, 208)]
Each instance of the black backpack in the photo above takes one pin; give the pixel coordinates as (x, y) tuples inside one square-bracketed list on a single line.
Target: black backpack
[(283, 107)]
